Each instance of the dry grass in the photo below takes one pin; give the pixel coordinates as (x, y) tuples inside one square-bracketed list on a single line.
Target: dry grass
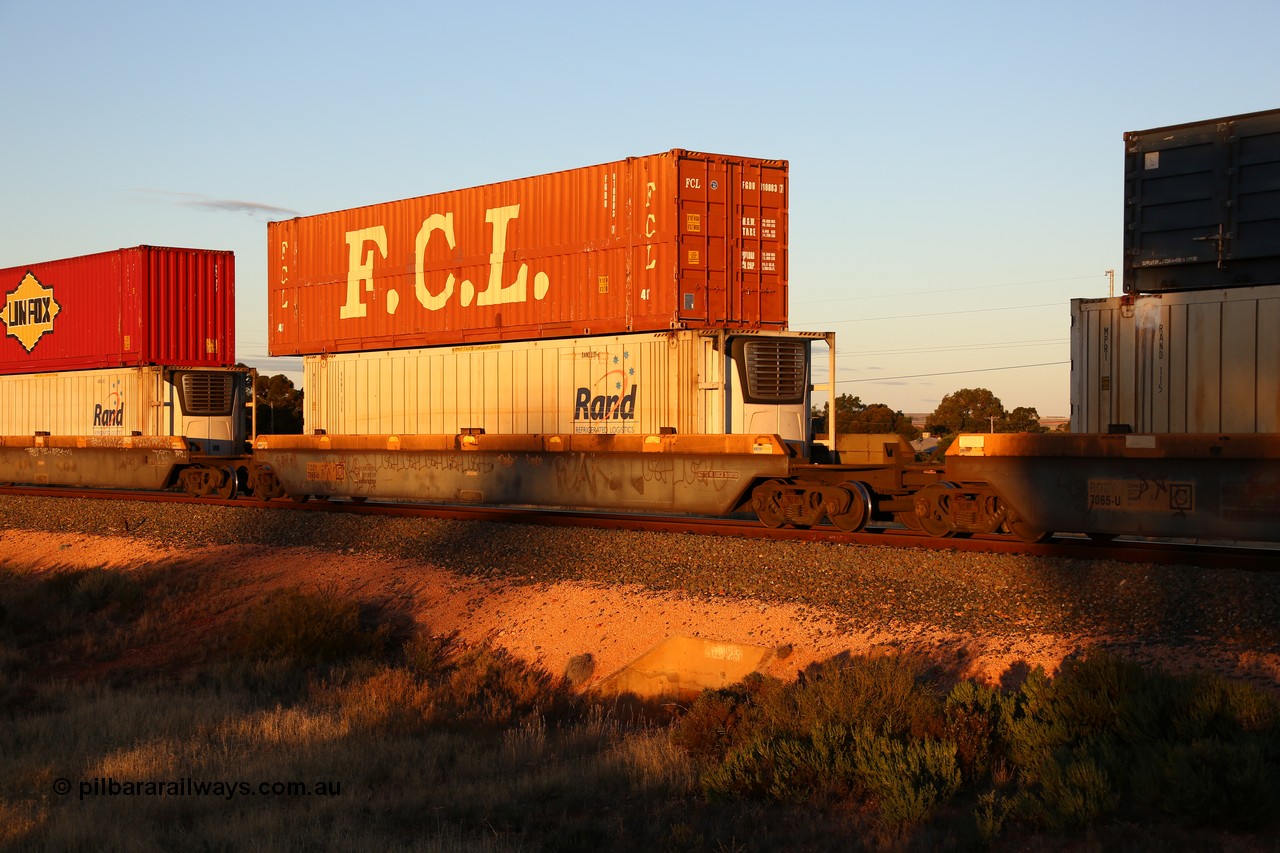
[(408, 741)]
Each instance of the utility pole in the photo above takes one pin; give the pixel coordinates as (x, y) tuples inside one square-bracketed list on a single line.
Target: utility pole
[(1111, 282)]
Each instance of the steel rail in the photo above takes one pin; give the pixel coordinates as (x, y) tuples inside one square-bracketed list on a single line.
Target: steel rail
[(1249, 557)]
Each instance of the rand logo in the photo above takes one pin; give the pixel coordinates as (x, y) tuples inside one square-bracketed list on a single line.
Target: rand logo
[(29, 311)]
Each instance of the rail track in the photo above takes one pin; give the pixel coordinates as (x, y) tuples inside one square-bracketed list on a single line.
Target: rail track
[(1244, 556)]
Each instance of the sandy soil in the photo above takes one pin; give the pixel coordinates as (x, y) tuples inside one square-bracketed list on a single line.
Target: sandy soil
[(547, 624)]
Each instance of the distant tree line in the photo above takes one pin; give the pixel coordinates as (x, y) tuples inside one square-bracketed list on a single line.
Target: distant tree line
[(855, 416), (966, 410), (279, 405), (978, 410)]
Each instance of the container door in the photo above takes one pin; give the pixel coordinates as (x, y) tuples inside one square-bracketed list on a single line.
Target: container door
[(1202, 205), (732, 227), (758, 243), (714, 416), (702, 261), (1092, 366)]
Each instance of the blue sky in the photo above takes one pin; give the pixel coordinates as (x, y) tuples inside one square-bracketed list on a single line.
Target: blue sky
[(956, 169)]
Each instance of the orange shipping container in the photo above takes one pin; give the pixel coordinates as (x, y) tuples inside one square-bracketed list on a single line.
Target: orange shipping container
[(679, 240)]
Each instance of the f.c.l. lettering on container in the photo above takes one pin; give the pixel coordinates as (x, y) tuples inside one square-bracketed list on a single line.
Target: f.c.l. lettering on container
[(679, 240)]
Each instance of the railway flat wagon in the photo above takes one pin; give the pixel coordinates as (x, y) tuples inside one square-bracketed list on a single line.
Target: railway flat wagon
[(1218, 487), (128, 427), (677, 240), (115, 371), (669, 421)]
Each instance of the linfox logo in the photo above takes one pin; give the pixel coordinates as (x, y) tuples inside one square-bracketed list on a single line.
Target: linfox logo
[(29, 311), (590, 406), (362, 244)]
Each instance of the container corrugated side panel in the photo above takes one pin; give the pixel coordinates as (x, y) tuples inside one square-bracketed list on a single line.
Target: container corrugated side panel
[(1189, 362), (107, 402), (524, 387), (577, 258), (644, 244), (128, 307), (1202, 205), (93, 317), (189, 305)]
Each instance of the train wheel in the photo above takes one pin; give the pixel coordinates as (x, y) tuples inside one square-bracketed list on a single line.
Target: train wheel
[(265, 494), (909, 520), (197, 481), (299, 499), (766, 500), (265, 485), (859, 512), (227, 490), (933, 509), (1017, 525), (810, 510)]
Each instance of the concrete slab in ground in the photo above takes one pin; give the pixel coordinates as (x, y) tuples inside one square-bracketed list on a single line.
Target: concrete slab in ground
[(683, 667)]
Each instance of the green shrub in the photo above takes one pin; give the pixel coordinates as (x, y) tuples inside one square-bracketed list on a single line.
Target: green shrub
[(990, 816), (780, 768), (1216, 707), (1107, 737), (1071, 793), (909, 779), (906, 780), (973, 713), (98, 589), (489, 686), (1227, 783), (861, 729), (307, 628), (888, 694), (789, 768), (711, 726), (429, 655)]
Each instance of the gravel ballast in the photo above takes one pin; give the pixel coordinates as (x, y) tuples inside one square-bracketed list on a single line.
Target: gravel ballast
[(1231, 613)]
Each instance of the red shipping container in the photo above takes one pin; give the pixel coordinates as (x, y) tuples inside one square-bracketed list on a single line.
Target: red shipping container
[(679, 240), (126, 308)]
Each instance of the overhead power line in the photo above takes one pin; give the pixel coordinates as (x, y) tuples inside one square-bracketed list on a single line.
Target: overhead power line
[(953, 372), (945, 290), (958, 347), (942, 313)]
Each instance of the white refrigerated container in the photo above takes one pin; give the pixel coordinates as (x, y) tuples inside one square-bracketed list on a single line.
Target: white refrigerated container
[(1178, 362)]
